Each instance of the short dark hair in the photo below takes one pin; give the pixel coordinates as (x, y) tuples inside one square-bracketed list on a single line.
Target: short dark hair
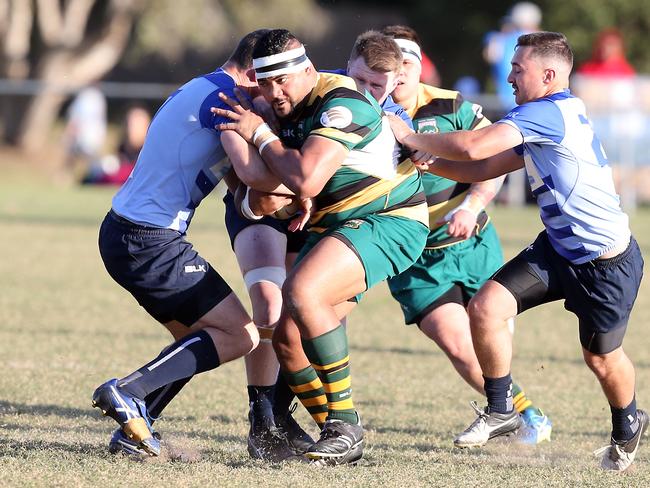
[(379, 51), (398, 31), (273, 42), (547, 44), (243, 53)]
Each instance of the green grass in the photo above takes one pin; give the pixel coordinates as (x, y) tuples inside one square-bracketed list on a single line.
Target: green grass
[(65, 327)]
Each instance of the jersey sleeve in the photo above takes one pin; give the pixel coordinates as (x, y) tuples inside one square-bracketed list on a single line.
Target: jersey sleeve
[(392, 107), (538, 121), (209, 119), (348, 117), (469, 115)]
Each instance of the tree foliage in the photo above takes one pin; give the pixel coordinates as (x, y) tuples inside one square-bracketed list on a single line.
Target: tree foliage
[(452, 31), (72, 43)]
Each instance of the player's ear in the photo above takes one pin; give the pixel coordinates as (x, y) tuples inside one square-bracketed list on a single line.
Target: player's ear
[(549, 76), (250, 74)]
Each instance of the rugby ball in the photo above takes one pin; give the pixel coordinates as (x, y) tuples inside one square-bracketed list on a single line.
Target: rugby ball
[(288, 211)]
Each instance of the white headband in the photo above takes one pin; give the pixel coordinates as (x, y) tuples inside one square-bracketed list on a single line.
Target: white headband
[(410, 50), (290, 61)]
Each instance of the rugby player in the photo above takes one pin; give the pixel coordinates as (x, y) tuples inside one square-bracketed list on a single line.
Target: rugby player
[(586, 254), (266, 249), (369, 221), (463, 248), (143, 246)]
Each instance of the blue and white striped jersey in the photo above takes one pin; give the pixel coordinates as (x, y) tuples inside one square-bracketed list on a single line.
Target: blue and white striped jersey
[(182, 159), (570, 177)]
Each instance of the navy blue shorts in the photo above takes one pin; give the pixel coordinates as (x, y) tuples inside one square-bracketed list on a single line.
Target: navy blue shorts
[(600, 293), (160, 269), (235, 223)]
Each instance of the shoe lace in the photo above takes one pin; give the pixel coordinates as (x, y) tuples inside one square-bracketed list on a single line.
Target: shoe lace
[(600, 452), (330, 431), (480, 412), (481, 416), (610, 449)]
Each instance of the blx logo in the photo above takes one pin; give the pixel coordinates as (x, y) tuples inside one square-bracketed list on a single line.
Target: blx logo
[(195, 268)]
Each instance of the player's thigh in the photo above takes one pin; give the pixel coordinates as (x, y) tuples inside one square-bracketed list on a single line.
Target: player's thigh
[(229, 316), (448, 326), (162, 271), (330, 271), (530, 278), (601, 294), (258, 246)]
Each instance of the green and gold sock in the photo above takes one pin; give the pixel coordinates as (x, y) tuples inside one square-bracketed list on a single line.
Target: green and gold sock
[(328, 354), (520, 401), (308, 387)]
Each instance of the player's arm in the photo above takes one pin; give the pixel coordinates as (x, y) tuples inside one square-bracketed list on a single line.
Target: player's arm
[(471, 171), (303, 171), (249, 166), (463, 145)]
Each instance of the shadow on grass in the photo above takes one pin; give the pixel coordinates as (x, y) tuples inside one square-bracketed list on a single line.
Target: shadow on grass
[(11, 408), (397, 350), (17, 449)]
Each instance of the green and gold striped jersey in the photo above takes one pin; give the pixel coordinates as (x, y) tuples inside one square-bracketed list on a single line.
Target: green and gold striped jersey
[(438, 110), (371, 179)]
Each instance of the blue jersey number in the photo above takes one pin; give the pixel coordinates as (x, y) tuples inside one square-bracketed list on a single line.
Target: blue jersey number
[(596, 146)]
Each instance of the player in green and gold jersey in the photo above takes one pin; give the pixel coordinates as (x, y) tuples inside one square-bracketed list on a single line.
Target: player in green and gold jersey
[(463, 249), (369, 222)]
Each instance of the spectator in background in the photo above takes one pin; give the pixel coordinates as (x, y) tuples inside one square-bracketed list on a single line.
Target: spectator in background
[(115, 169), (523, 18), (430, 74), (85, 131), (608, 57)]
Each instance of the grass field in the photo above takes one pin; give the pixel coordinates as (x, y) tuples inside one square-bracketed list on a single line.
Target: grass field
[(65, 327)]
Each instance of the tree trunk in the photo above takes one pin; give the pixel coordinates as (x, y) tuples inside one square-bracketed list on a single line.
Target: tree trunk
[(75, 68)]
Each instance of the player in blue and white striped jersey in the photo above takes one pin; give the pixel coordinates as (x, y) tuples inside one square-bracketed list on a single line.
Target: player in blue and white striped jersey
[(585, 255), (143, 245)]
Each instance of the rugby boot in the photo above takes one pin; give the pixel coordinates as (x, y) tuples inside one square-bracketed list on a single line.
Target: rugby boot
[(121, 444), (619, 456), (488, 425), (339, 443), (297, 439), (128, 411), (265, 440), (537, 427)]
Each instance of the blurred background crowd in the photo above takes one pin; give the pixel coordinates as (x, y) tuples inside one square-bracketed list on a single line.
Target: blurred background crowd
[(80, 79)]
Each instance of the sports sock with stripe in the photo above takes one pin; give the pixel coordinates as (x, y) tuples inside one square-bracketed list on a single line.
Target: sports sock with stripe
[(520, 401), (191, 355), (307, 386), (328, 354), (624, 422), (157, 400), (499, 393)]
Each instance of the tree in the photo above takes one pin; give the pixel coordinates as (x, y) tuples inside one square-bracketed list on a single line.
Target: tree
[(71, 43), (65, 49)]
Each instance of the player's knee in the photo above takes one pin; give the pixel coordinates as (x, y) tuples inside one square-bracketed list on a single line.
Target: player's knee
[(478, 310), (456, 350), (601, 364), (297, 296)]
